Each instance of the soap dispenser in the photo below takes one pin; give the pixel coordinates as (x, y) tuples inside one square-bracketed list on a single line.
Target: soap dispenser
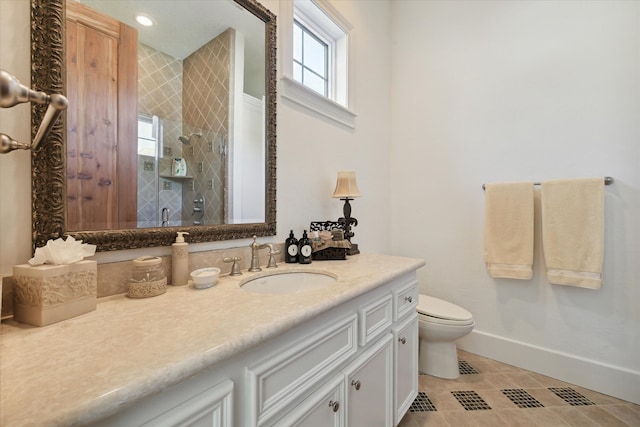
[(180, 260), (291, 246), (304, 249)]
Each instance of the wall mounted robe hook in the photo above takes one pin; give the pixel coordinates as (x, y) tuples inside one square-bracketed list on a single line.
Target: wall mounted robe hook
[(12, 93)]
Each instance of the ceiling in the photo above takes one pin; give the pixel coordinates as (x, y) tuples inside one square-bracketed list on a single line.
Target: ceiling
[(182, 26)]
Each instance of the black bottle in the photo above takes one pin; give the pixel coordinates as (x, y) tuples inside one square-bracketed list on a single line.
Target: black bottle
[(291, 246), (304, 249)]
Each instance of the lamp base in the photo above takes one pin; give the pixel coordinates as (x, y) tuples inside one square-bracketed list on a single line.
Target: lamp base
[(353, 250)]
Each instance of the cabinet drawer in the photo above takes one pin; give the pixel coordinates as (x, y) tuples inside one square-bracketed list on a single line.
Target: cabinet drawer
[(375, 318), (405, 300), (278, 379)]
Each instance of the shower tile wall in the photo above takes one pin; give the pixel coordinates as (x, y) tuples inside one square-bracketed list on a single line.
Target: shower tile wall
[(147, 191), (205, 108), (160, 94), (190, 96)]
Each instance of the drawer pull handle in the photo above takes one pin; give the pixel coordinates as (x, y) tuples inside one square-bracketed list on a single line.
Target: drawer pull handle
[(409, 299), (403, 340), (334, 405), (356, 384)]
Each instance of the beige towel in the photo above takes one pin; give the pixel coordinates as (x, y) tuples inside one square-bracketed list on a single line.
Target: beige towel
[(508, 230), (573, 231)]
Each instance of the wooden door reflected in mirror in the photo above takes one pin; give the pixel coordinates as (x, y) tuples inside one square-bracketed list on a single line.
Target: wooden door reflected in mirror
[(101, 85)]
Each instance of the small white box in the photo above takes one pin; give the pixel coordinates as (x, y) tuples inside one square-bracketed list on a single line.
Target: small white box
[(47, 294)]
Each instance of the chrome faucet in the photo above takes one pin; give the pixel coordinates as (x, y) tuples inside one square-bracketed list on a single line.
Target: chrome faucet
[(255, 248)]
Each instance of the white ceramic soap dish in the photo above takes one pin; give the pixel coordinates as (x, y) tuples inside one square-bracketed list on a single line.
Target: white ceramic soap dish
[(205, 277)]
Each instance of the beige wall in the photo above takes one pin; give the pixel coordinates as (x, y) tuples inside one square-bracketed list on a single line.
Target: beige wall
[(505, 91), (15, 167)]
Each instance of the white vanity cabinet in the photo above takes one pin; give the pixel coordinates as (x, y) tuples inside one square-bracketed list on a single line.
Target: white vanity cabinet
[(323, 408), (344, 354), (379, 383), (369, 382), (405, 350), (359, 396), (187, 405), (279, 378), (211, 408), (354, 365)]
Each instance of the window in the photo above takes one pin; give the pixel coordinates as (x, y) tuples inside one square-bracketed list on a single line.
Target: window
[(310, 59), (316, 70), (148, 135), (319, 50)]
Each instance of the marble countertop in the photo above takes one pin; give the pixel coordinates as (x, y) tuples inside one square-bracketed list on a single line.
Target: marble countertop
[(83, 369)]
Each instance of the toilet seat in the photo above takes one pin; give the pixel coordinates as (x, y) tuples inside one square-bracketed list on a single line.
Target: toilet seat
[(435, 310)]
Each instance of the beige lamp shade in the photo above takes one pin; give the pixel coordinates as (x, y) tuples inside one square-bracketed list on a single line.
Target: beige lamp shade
[(346, 185)]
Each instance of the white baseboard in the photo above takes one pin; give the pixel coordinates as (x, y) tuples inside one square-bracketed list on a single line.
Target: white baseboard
[(603, 378)]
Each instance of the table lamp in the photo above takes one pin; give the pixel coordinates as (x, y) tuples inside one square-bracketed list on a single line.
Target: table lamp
[(347, 189)]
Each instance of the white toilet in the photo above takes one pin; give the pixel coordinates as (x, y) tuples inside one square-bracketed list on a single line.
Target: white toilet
[(441, 323)]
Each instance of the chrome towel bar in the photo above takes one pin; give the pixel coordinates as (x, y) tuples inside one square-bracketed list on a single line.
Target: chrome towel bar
[(607, 181)]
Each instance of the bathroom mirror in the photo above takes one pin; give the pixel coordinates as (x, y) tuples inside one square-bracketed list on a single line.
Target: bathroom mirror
[(54, 176)]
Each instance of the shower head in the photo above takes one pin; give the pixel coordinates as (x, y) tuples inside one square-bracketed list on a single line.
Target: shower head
[(186, 140)]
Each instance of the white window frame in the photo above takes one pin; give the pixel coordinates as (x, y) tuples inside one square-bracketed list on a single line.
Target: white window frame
[(329, 77), (322, 18)]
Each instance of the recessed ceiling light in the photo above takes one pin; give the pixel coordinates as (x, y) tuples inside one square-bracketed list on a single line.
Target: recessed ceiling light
[(144, 20)]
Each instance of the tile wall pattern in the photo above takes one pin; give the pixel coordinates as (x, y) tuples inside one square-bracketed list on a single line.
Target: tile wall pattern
[(190, 96), (147, 190), (206, 87)]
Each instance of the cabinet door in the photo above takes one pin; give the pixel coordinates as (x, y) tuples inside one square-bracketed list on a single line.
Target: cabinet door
[(405, 364), (369, 386), (323, 408), (277, 380), (211, 408)]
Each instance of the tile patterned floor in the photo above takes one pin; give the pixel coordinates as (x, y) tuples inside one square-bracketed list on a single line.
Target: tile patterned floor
[(493, 394)]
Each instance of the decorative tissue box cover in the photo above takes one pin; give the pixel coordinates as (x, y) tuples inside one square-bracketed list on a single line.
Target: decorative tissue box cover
[(47, 294)]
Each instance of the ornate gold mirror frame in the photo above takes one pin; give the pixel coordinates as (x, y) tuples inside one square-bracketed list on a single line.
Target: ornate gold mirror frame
[(48, 163)]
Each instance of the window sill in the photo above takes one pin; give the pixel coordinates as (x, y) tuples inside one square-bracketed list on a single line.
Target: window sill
[(310, 100)]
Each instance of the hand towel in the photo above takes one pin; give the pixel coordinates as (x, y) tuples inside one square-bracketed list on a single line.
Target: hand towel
[(508, 230), (573, 231)]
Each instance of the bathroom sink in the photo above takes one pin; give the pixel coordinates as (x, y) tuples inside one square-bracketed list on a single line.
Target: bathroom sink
[(288, 282)]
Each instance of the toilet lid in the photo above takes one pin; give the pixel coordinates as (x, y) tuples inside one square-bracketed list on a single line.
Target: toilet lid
[(441, 309)]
